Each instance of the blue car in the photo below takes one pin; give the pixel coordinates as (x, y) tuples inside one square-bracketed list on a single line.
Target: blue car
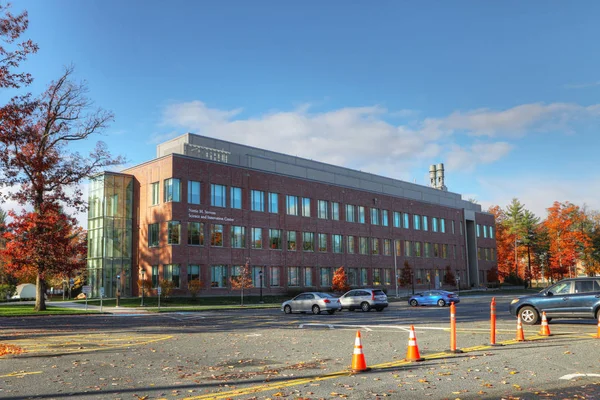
[(439, 298)]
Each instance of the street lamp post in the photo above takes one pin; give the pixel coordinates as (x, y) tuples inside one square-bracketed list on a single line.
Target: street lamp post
[(118, 289), (260, 278), (142, 272), (396, 268)]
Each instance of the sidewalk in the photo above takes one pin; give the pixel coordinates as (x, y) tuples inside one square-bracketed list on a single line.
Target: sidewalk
[(110, 310)]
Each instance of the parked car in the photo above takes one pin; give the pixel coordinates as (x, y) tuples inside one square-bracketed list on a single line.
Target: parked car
[(433, 297), (314, 302), (364, 299), (569, 298)]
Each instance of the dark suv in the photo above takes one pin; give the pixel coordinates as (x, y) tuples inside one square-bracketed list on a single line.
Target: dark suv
[(569, 298)]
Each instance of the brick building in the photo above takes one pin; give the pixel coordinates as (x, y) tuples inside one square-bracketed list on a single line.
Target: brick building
[(205, 207)]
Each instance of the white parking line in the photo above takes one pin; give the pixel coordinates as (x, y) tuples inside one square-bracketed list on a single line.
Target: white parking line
[(369, 328), (573, 376)]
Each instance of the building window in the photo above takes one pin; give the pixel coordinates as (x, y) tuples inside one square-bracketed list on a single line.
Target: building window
[(363, 276), (397, 219), (374, 216), (322, 242), (155, 195), (350, 244), (308, 278), (408, 248), (398, 247), (293, 276), (155, 276), (350, 217), (491, 232), (305, 207), (363, 245), (453, 230), (485, 231), (257, 200), (173, 232), (384, 218), (238, 237), (387, 247), (417, 249), (387, 276), (478, 229), (153, 240), (291, 205), (273, 203), (275, 239), (406, 221), (172, 190), (171, 273), (479, 253), (216, 235), (352, 277), (442, 225), (434, 224), (444, 251), (291, 240), (375, 246), (335, 211), (416, 222), (325, 277), (461, 228), (323, 206), (256, 238), (235, 194), (274, 277), (218, 276), (361, 215), (308, 241), (193, 272), (377, 276), (196, 233), (193, 192), (436, 250), (425, 225), (218, 195), (256, 281), (336, 243)]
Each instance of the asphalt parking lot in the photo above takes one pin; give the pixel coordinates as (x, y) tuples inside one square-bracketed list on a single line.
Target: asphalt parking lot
[(260, 354)]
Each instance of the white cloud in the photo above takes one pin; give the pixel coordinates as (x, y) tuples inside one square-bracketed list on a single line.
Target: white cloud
[(364, 137), (539, 193)]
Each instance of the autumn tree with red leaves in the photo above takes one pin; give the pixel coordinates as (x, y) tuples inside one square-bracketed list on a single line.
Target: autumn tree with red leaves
[(243, 280), (37, 169), (567, 241), (339, 282), (43, 244)]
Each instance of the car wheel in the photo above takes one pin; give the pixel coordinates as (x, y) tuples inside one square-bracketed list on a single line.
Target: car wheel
[(330, 312), (365, 306), (529, 315), (598, 314), (379, 309), (316, 309), (441, 303), (287, 309), (414, 303)]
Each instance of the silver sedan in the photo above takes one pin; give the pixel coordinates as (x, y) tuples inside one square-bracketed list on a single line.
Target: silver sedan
[(314, 302)]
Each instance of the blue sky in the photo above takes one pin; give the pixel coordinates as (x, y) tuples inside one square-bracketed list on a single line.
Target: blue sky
[(505, 94)]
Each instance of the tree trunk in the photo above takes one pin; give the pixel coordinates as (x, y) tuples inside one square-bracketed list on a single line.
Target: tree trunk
[(40, 289)]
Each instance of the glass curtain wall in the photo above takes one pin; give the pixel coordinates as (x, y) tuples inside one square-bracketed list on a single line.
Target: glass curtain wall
[(110, 234)]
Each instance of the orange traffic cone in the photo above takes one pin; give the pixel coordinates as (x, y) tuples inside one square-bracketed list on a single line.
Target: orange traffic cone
[(520, 334), (359, 364), (545, 331), (598, 335), (412, 353)]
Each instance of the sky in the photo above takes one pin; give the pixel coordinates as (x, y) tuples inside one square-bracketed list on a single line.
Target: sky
[(505, 94)]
